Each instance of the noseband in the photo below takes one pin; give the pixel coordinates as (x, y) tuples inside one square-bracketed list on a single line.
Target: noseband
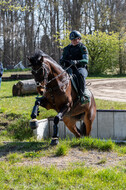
[(36, 71), (45, 71)]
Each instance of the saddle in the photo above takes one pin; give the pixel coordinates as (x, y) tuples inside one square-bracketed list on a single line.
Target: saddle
[(75, 84)]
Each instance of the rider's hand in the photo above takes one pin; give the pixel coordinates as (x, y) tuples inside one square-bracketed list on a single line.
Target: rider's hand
[(74, 62)]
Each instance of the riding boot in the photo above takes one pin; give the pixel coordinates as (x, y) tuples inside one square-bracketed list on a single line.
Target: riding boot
[(83, 99)]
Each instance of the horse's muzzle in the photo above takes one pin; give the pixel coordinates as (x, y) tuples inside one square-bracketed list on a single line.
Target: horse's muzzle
[(40, 90)]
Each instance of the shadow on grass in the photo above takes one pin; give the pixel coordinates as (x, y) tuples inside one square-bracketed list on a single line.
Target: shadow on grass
[(12, 147), (23, 95), (6, 97)]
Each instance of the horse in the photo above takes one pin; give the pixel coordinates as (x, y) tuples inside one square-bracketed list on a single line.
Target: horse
[(57, 92)]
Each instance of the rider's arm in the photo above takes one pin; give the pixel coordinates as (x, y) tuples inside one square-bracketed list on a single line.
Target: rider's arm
[(84, 55), (64, 57), (84, 61), (1, 69)]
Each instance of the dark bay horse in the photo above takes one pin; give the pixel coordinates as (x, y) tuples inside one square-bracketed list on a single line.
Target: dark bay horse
[(54, 83)]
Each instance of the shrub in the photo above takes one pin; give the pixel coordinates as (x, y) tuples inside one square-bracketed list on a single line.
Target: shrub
[(20, 129), (61, 150)]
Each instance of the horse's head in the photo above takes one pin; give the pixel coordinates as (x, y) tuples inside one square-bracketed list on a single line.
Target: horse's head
[(39, 70)]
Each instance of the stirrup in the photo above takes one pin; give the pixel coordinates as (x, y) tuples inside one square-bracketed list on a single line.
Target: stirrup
[(83, 100)]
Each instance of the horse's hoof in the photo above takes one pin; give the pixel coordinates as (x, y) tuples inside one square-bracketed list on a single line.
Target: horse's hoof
[(33, 124), (54, 141)]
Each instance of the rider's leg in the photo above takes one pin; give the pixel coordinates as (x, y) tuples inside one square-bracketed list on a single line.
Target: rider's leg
[(82, 74)]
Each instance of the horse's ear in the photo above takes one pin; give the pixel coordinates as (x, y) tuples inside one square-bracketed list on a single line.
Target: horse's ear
[(29, 61), (40, 59)]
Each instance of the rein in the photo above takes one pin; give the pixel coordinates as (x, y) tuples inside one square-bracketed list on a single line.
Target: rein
[(46, 78)]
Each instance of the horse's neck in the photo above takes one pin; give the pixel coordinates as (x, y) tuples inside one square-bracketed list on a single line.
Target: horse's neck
[(56, 71)]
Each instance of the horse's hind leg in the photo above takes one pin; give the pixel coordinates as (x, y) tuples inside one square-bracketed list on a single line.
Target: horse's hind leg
[(87, 124), (83, 129), (70, 122)]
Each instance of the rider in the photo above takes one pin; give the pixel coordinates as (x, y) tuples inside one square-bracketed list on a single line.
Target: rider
[(76, 54), (1, 72)]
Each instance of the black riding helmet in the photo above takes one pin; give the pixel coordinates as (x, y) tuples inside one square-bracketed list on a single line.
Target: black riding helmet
[(74, 35)]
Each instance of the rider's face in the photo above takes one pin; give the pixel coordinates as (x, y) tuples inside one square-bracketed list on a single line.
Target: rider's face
[(75, 41)]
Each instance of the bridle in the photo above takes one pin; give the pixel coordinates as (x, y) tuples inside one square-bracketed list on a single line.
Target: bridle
[(45, 71), (36, 71), (45, 80)]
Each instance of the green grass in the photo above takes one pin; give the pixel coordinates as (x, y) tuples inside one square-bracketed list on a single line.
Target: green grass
[(62, 150), (103, 76), (19, 105), (21, 167), (35, 177), (8, 73), (110, 105), (92, 143), (34, 148)]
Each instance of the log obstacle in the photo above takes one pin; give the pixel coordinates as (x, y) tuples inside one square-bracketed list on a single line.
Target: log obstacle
[(18, 77), (108, 124), (24, 87)]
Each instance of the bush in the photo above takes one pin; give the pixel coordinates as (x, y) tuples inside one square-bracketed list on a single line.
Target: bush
[(106, 50), (20, 129)]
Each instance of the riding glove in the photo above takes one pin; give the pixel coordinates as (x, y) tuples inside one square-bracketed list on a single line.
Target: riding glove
[(74, 62)]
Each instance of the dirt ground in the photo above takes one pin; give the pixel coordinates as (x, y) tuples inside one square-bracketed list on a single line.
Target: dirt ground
[(108, 89), (90, 158)]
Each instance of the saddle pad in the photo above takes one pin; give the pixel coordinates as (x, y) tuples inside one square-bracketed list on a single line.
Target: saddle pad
[(73, 83), (87, 94)]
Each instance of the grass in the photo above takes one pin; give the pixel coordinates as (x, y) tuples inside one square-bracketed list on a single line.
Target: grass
[(103, 76), (8, 73), (18, 105), (35, 177), (16, 111), (102, 161), (21, 169), (92, 143), (18, 149), (62, 150), (33, 148), (110, 105)]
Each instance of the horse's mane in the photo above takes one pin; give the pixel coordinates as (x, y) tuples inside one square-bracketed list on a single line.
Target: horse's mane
[(41, 53)]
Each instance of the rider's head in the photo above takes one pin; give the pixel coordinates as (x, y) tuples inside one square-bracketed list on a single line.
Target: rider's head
[(75, 37)]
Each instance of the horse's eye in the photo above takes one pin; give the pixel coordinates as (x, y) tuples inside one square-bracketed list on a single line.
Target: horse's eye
[(37, 83), (39, 63)]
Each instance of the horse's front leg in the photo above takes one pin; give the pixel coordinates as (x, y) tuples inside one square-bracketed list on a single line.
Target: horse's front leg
[(57, 118), (40, 101)]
